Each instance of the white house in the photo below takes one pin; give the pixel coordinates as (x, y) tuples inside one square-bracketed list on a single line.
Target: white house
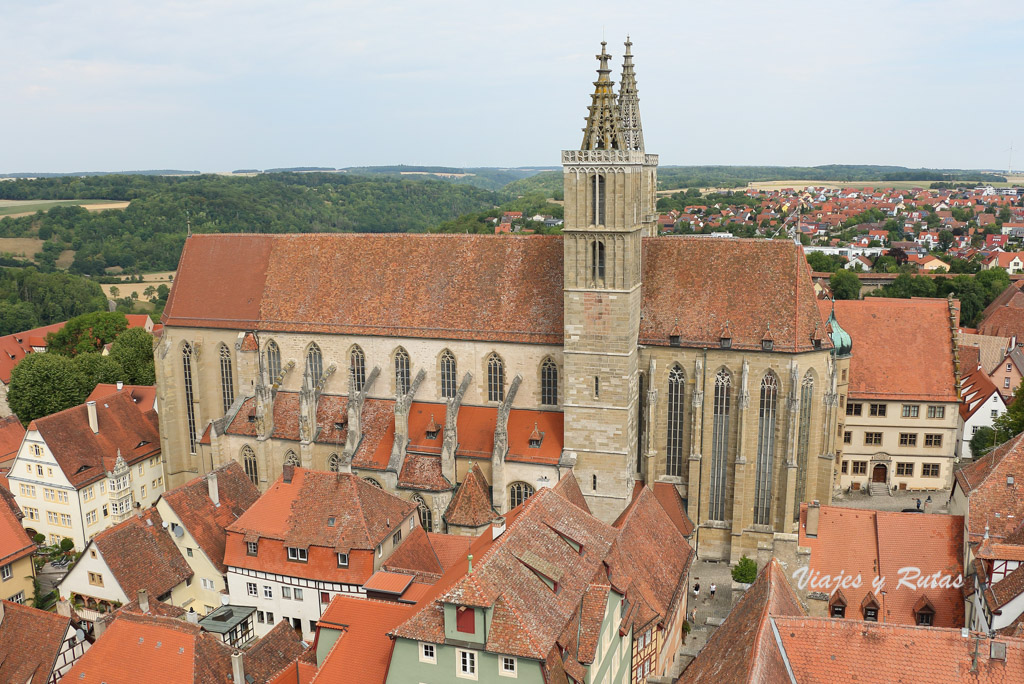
[(86, 468), (980, 405)]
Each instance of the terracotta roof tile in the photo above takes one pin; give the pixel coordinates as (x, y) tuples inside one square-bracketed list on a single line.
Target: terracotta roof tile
[(275, 650), (11, 434), (363, 651), (206, 522), (994, 503), (450, 548), (416, 555), (143, 395), (16, 346), (423, 472), (14, 540), (668, 497), (471, 504), (22, 627), (902, 348), (86, 457)]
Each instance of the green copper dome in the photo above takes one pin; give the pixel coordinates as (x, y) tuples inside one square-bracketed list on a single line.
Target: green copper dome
[(842, 343)]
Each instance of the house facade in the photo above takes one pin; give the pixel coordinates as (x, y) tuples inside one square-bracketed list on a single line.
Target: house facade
[(87, 468), (17, 569), (980, 405)]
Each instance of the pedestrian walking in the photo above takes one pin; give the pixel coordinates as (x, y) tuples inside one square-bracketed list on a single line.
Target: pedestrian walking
[(693, 617), (713, 588), (919, 504), (696, 589)]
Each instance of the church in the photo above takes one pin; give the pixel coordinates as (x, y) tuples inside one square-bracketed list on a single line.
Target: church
[(465, 372)]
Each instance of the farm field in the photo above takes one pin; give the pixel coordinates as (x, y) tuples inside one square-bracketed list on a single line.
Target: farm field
[(16, 208), (21, 248), (125, 288)]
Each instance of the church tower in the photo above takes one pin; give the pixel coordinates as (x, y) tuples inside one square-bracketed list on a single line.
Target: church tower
[(609, 207)]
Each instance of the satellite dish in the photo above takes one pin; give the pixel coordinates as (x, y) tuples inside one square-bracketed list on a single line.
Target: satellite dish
[(164, 524), (79, 635), (224, 600), (179, 531)]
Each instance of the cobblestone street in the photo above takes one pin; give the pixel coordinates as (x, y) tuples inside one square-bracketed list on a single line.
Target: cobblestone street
[(897, 502)]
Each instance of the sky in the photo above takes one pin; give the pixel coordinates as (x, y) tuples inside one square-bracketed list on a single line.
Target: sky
[(217, 85)]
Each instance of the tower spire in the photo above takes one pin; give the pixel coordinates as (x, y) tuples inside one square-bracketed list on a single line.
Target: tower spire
[(629, 104), (603, 130)]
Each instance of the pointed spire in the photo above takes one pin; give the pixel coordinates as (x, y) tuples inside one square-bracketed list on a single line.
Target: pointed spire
[(603, 130), (629, 104)]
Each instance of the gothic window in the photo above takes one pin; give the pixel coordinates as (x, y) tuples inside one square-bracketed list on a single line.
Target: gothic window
[(803, 440), (719, 444), (402, 371), (249, 463), (290, 458), (597, 201), (597, 261), (765, 450), (190, 409), (314, 363), (447, 374), (357, 367), (676, 418), (549, 382), (518, 492), (334, 463), (426, 516), (495, 378), (373, 482), (227, 378), (273, 360)]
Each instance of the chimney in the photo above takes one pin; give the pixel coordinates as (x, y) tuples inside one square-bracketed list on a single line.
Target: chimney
[(497, 527), (192, 617), (120, 385), (288, 472), (99, 627), (813, 513), (211, 483), (64, 608), (94, 424), (143, 600), (237, 668)]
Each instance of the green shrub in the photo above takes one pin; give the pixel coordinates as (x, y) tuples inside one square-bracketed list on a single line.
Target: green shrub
[(745, 571)]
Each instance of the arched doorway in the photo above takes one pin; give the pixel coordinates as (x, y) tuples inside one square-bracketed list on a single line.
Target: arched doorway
[(879, 472)]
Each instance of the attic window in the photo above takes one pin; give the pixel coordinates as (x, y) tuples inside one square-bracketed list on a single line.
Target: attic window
[(725, 342), (339, 425), (330, 522), (674, 340), (432, 434), (925, 617), (252, 417), (535, 443), (141, 444), (816, 342), (767, 345)]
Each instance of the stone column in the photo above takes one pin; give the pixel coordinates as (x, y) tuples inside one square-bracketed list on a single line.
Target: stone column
[(450, 440), (498, 479), (790, 471), (694, 490), (742, 502)]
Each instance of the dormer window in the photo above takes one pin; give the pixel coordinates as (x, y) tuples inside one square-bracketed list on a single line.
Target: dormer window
[(536, 437), (433, 429), (297, 555), (342, 560), (725, 342), (252, 417), (869, 607), (924, 612), (252, 548), (465, 620), (837, 605), (767, 345)]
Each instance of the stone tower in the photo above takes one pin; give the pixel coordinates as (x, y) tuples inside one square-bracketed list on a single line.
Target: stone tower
[(609, 207)]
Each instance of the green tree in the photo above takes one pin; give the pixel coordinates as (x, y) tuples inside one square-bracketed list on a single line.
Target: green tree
[(982, 441), (93, 369), (133, 350), (16, 317), (824, 263), (1011, 423), (845, 285), (945, 240), (745, 571), (42, 384), (87, 333)]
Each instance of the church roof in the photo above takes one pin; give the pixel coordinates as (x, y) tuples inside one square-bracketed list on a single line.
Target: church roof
[(485, 288)]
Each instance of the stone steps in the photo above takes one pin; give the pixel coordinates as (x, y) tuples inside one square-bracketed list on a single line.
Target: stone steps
[(879, 489)]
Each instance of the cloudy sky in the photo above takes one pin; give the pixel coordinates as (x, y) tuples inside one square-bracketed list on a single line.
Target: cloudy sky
[(226, 84)]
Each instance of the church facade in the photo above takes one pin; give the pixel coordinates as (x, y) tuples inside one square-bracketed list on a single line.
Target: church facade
[(409, 359)]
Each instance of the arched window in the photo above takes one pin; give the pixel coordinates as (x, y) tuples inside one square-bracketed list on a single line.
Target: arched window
[(447, 374), (518, 492), (334, 463), (803, 440), (227, 378), (373, 482), (426, 516), (765, 450), (495, 378), (314, 363), (273, 360), (249, 463), (597, 260), (190, 408), (719, 445), (290, 458), (597, 201), (401, 371), (549, 382), (357, 367), (676, 420)]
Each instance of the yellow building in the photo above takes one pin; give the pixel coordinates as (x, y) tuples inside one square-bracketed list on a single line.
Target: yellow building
[(17, 571)]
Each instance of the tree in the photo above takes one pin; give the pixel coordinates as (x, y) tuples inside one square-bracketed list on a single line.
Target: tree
[(87, 333), (1011, 423), (133, 350), (42, 384), (898, 254), (93, 369), (845, 285), (16, 317), (983, 440), (824, 263), (114, 291), (945, 240), (745, 571)]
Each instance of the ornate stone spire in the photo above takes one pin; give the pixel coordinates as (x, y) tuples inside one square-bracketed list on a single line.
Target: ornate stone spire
[(603, 131), (629, 104)]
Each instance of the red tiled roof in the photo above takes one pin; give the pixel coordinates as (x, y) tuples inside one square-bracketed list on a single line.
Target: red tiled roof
[(16, 346), (11, 434), (416, 555), (985, 483), (976, 389), (206, 522), (331, 410), (143, 395), (902, 348), (1007, 321), (30, 641), (744, 648), (14, 540), (386, 582), (450, 548), (292, 282), (878, 544), (142, 555), (829, 650), (276, 649), (471, 504), (423, 472), (668, 497), (86, 457), (363, 651)]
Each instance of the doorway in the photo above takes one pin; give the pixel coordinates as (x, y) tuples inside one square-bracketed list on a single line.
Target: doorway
[(878, 473)]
